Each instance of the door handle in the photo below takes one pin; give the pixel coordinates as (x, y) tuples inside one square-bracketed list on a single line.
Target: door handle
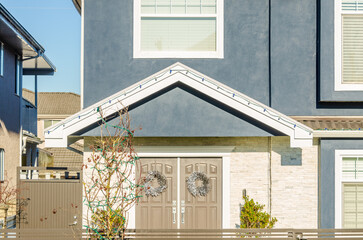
[(182, 214), (174, 215)]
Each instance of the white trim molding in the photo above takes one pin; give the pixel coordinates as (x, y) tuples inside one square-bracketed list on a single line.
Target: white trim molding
[(300, 135), (339, 154), (219, 53), (338, 84)]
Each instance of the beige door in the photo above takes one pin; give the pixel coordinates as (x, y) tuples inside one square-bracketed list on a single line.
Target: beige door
[(201, 212), (171, 210), (157, 212)]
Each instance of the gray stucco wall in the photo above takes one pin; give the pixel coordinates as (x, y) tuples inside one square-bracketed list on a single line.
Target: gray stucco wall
[(9, 101), (327, 176), (200, 118), (110, 66)]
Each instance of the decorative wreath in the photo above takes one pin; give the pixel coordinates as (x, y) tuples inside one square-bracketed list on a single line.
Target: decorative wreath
[(152, 191), (193, 189)]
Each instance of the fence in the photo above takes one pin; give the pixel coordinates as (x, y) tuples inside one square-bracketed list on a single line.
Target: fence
[(247, 234)]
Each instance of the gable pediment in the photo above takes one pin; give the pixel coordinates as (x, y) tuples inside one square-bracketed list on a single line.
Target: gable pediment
[(219, 104)]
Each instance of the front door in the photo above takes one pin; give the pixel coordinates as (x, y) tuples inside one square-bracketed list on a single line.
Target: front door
[(176, 207)]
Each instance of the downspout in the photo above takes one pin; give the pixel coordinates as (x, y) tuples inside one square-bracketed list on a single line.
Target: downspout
[(270, 175)]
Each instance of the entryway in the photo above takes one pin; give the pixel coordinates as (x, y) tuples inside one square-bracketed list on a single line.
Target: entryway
[(176, 207)]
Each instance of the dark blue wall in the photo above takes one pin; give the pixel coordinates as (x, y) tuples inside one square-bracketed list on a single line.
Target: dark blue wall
[(327, 176), (9, 101), (29, 119)]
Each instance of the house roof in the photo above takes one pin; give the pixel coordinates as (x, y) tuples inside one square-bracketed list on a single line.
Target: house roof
[(332, 123), (15, 35), (300, 135), (55, 103), (66, 157)]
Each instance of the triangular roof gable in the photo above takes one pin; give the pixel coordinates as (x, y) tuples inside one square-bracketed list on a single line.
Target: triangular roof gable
[(300, 135)]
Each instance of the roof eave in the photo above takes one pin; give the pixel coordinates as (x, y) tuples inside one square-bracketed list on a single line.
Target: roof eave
[(78, 5), (20, 29)]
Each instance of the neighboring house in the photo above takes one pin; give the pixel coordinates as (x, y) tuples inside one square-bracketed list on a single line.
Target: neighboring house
[(20, 54), (52, 108), (264, 95)]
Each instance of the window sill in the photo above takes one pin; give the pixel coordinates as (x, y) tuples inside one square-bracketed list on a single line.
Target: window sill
[(348, 87), (178, 55)]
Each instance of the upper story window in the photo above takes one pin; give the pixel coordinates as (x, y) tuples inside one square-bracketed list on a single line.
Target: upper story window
[(1, 59), (349, 45), (349, 188), (178, 28)]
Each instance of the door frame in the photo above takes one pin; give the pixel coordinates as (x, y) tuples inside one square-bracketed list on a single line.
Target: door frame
[(223, 152)]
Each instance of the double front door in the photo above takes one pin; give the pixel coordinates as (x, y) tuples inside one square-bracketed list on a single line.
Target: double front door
[(176, 207)]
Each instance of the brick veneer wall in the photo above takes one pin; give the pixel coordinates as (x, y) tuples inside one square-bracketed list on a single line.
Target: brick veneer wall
[(294, 180)]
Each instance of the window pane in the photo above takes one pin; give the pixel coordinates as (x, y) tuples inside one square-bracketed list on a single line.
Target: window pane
[(47, 123), (209, 6), (349, 168), (352, 5), (352, 48), (55, 121), (178, 7), (193, 7), (352, 205), (148, 6), (1, 59), (178, 34), (163, 6)]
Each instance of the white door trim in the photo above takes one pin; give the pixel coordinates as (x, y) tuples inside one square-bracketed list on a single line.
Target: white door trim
[(224, 152)]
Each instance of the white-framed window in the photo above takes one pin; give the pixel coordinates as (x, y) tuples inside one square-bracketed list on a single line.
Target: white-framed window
[(50, 122), (2, 161), (1, 59), (349, 188), (178, 29), (348, 45), (17, 75)]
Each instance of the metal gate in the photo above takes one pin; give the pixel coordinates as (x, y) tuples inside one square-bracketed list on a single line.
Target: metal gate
[(49, 198)]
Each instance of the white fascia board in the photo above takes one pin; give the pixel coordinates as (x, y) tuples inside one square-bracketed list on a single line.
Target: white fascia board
[(300, 135), (338, 134)]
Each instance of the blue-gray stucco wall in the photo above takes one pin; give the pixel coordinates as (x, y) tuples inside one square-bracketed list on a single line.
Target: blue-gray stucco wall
[(9, 101), (202, 118), (248, 66), (327, 176)]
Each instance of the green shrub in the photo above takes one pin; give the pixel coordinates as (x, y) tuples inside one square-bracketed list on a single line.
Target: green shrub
[(253, 216)]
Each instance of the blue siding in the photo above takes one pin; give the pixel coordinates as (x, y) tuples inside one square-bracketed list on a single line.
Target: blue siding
[(9, 101), (29, 119)]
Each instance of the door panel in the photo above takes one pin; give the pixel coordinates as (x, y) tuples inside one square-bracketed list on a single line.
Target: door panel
[(156, 212), (202, 212)]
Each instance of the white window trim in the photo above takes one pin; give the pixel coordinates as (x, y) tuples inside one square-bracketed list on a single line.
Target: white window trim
[(219, 53), (339, 154), (338, 85)]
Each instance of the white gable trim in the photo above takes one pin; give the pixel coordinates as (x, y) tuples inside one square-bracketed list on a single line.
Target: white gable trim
[(300, 135)]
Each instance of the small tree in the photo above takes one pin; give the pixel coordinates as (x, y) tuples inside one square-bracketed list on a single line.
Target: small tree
[(253, 216), (111, 185), (8, 196)]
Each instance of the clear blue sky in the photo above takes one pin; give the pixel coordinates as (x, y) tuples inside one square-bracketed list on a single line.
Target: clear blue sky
[(56, 25)]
